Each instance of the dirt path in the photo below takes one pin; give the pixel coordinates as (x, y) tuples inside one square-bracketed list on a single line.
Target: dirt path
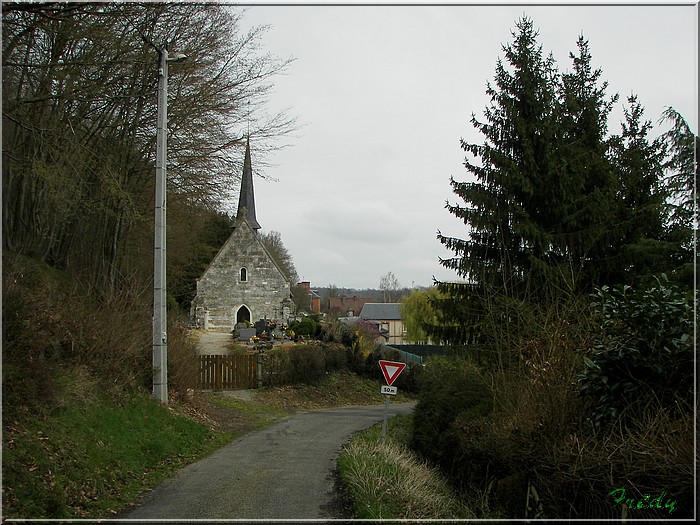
[(212, 342), (283, 471)]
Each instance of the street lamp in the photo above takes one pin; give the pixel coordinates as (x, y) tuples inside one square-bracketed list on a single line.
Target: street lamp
[(160, 314)]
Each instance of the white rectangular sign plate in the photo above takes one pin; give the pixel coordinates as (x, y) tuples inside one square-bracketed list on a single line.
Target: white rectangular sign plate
[(391, 390)]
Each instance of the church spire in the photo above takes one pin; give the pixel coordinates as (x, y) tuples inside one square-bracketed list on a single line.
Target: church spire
[(246, 199)]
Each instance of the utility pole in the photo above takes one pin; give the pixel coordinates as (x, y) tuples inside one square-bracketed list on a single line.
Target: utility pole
[(160, 314)]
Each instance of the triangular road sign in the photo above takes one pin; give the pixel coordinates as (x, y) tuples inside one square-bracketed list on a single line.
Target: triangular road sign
[(391, 370)]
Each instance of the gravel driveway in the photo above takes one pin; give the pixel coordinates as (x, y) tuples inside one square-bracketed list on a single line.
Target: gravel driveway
[(285, 471), (213, 342)]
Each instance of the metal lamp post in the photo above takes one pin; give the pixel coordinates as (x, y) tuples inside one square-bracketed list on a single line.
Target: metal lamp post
[(160, 314)]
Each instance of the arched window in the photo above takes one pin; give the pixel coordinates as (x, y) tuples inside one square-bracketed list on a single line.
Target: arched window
[(244, 275)]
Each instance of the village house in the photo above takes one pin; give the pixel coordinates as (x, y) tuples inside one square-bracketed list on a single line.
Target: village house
[(345, 306), (242, 284), (314, 300), (387, 316)]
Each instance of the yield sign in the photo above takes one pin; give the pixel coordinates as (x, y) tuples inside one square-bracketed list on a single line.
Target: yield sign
[(391, 370)]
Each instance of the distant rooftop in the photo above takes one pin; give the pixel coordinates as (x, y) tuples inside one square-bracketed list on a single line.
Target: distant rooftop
[(381, 311)]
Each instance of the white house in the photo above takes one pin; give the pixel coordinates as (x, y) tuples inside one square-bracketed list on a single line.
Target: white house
[(388, 318)]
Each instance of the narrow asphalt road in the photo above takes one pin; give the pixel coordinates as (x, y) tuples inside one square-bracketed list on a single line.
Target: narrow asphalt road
[(284, 471)]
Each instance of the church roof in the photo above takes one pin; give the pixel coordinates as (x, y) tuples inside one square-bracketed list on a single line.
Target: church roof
[(246, 199)]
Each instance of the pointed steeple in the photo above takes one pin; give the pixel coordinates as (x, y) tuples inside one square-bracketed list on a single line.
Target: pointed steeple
[(246, 199)]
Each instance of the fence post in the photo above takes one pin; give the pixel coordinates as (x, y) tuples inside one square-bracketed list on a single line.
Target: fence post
[(218, 372), (260, 369)]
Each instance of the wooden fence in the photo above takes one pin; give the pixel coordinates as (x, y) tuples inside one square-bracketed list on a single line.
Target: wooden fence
[(228, 372)]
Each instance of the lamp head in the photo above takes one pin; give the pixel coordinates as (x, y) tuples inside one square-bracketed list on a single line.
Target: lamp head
[(176, 57)]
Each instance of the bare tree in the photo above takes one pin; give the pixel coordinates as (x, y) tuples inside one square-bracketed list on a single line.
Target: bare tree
[(79, 119), (279, 253), (389, 286)]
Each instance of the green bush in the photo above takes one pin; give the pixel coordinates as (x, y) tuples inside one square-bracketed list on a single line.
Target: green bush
[(410, 379), (335, 356), (306, 364), (276, 367), (642, 351), (449, 389), (306, 327), (51, 320)]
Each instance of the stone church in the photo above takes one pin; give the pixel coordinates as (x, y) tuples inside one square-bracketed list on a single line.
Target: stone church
[(242, 283)]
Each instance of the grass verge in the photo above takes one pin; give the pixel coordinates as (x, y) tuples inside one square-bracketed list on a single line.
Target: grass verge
[(243, 415), (90, 460), (91, 455), (385, 480), (340, 388)]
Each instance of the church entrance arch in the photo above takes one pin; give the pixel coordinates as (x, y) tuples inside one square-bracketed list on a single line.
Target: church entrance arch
[(243, 315)]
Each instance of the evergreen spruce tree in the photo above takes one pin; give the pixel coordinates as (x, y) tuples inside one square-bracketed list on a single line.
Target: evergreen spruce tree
[(458, 308), (557, 206), (680, 182), (640, 249), (588, 227), (514, 207)]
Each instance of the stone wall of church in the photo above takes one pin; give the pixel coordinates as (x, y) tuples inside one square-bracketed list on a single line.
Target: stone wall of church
[(223, 290)]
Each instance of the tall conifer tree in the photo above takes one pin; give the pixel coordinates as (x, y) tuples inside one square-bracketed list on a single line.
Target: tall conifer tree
[(557, 206), (680, 183), (514, 207), (639, 250), (588, 226)]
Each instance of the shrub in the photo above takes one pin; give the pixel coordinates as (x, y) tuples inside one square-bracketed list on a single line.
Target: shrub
[(276, 367), (183, 363), (23, 355), (410, 379), (643, 350), (651, 454), (335, 356), (306, 364), (449, 388), (52, 320), (306, 327), (337, 332)]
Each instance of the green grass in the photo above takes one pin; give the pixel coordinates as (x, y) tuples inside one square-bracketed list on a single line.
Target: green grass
[(81, 438), (88, 455), (339, 388), (90, 460), (385, 480), (258, 415)]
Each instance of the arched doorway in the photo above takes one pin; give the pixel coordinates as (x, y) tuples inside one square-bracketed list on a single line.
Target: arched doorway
[(243, 315)]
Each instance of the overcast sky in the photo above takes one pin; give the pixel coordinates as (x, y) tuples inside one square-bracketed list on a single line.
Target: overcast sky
[(384, 95)]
